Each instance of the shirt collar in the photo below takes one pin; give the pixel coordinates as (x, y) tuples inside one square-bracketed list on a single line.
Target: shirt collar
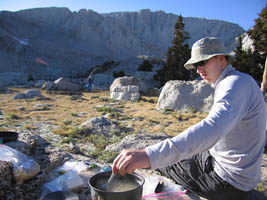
[(222, 75)]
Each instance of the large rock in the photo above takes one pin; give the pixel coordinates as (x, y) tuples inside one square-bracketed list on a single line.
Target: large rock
[(186, 96), (65, 84), (125, 93), (126, 81)]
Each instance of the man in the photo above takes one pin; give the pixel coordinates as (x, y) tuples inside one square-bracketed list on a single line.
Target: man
[(89, 85), (219, 157), (264, 78), (263, 89)]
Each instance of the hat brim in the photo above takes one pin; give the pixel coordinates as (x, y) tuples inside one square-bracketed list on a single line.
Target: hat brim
[(189, 64)]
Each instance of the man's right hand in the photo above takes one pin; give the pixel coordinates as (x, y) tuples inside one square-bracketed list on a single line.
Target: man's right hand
[(130, 160)]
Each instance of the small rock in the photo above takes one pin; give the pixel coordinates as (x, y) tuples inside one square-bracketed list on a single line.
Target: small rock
[(21, 108)]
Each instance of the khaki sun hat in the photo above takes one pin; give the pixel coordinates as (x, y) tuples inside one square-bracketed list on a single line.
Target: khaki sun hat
[(205, 49)]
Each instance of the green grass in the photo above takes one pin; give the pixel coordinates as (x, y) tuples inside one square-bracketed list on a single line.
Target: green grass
[(12, 116)]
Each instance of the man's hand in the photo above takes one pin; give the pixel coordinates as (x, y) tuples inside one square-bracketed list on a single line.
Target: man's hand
[(130, 160)]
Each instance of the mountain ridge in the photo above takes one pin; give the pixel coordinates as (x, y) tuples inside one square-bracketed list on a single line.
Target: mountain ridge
[(74, 42)]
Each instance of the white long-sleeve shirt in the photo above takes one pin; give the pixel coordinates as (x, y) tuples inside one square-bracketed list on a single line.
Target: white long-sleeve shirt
[(233, 132)]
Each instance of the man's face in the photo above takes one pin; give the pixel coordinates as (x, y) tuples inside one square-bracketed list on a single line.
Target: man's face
[(211, 70)]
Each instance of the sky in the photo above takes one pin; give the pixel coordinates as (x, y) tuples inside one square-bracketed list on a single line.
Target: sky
[(242, 12)]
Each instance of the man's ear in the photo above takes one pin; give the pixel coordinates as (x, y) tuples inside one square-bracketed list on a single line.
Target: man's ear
[(223, 60)]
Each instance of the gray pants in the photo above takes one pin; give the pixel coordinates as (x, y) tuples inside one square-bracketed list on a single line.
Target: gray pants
[(197, 175)]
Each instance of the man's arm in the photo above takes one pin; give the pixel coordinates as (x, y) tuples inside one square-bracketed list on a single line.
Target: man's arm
[(264, 78)]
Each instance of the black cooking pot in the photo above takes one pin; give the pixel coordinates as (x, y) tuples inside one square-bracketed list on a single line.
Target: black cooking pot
[(61, 195), (101, 194), (8, 136)]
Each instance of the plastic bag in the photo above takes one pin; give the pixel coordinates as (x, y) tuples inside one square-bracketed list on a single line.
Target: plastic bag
[(171, 195), (24, 167), (76, 166), (67, 182), (169, 190)]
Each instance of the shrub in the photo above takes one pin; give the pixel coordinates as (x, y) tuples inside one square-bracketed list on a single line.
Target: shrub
[(118, 74), (146, 66)]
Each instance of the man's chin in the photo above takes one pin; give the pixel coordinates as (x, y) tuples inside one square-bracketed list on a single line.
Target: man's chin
[(207, 81)]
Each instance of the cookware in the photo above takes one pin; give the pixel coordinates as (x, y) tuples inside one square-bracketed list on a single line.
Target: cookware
[(8, 136), (61, 195), (100, 192)]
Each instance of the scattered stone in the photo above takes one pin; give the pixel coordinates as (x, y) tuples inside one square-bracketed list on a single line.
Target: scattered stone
[(19, 96), (29, 94), (73, 148), (21, 108), (100, 126), (42, 105)]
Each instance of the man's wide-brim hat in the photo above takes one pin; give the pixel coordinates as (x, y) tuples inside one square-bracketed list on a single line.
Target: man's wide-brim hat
[(205, 49)]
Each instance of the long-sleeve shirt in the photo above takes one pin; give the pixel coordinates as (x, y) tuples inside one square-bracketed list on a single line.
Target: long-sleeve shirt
[(233, 132)]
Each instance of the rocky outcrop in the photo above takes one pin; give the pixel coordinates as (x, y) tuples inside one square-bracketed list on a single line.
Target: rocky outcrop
[(156, 28)]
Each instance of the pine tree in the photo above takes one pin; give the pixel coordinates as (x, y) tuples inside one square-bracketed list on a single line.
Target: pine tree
[(252, 62), (259, 32), (146, 66), (247, 61), (177, 56)]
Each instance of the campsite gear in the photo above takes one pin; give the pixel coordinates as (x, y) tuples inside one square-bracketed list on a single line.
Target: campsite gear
[(106, 169), (8, 136), (61, 195), (110, 181), (24, 167), (98, 190), (67, 182)]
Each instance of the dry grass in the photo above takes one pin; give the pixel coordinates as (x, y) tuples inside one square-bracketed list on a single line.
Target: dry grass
[(69, 111)]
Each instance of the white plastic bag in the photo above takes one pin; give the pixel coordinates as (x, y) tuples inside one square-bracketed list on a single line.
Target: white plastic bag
[(24, 167), (77, 166), (67, 182)]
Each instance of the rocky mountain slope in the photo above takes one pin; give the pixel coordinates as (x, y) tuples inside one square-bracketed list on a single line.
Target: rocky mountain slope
[(71, 43)]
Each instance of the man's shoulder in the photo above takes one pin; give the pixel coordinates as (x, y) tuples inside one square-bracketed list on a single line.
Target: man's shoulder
[(239, 77)]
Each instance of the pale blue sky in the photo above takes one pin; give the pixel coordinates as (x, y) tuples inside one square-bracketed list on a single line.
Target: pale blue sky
[(242, 12)]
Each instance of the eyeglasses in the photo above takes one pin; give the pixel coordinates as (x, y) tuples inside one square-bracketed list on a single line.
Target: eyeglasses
[(200, 63)]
